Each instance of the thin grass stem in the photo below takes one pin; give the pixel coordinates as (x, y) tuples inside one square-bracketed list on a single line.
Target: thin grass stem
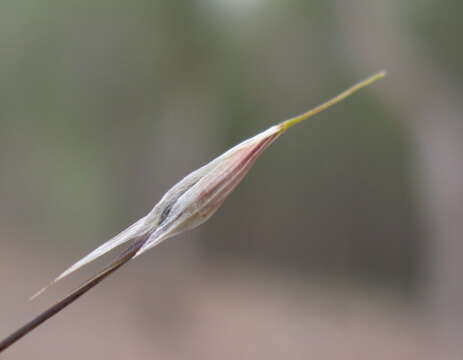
[(69, 299)]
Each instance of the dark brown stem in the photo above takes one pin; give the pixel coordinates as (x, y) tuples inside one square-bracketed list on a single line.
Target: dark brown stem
[(69, 299)]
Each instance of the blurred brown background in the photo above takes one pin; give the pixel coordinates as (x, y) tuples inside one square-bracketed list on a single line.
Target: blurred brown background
[(344, 241)]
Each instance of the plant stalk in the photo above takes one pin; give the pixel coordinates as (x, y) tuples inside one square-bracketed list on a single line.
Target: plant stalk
[(69, 299)]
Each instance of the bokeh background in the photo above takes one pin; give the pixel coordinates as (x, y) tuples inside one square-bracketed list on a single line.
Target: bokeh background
[(344, 241)]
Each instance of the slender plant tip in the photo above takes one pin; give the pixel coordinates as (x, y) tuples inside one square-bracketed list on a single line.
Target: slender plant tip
[(205, 188), (285, 125), (188, 204)]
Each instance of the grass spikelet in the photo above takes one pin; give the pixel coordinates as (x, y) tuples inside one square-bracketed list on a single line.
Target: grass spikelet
[(185, 206)]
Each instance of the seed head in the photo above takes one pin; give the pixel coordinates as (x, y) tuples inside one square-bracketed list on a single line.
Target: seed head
[(195, 198)]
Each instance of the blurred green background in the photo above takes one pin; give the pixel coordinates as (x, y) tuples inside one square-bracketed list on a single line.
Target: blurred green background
[(344, 241)]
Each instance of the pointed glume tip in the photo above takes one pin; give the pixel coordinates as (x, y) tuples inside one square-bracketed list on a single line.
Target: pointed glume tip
[(285, 125)]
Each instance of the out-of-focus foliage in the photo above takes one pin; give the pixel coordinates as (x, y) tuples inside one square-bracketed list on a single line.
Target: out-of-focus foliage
[(106, 104)]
